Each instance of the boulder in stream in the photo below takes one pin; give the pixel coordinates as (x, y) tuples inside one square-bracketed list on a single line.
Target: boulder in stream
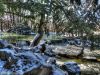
[(72, 68)]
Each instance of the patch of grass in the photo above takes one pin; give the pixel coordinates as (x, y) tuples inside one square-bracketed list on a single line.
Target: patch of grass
[(11, 37), (79, 61), (52, 37)]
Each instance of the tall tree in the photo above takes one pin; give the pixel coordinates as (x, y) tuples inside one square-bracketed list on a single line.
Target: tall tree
[(1, 14)]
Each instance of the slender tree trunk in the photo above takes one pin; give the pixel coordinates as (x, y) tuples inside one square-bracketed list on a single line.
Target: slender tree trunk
[(39, 36), (40, 29), (13, 18), (1, 26)]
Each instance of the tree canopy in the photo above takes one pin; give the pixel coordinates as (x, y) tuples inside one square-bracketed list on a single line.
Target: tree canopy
[(70, 16)]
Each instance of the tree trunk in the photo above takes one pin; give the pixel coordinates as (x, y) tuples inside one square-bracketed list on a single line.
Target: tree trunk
[(92, 42), (40, 29), (1, 26), (36, 40), (39, 36)]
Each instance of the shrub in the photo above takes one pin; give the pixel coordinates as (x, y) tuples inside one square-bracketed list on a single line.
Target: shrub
[(20, 29)]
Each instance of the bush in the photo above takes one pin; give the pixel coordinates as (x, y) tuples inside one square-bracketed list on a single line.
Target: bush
[(12, 38), (20, 29)]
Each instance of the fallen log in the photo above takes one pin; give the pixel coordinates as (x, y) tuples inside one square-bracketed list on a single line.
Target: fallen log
[(36, 40)]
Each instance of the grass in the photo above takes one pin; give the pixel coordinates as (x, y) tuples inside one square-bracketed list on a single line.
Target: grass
[(79, 61), (11, 37), (52, 37)]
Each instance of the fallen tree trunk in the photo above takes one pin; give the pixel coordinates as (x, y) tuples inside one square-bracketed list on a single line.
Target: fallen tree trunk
[(36, 40)]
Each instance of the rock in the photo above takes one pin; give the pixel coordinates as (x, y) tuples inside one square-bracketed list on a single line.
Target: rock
[(72, 68), (10, 46), (8, 56), (54, 42), (51, 61), (58, 71), (28, 43), (49, 51), (30, 61), (46, 71), (43, 47), (90, 68), (95, 53), (88, 58), (34, 71), (35, 49), (69, 51), (39, 71), (21, 43), (49, 68), (3, 44), (38, 62), (56, 68), (5, 54), (2, 63)]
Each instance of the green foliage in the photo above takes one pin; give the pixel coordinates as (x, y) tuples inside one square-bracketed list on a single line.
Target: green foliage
[(64, 15), (21, 29), (11, 37), (1, 7)]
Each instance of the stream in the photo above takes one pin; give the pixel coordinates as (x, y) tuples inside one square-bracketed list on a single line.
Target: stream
[(88, 67)]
